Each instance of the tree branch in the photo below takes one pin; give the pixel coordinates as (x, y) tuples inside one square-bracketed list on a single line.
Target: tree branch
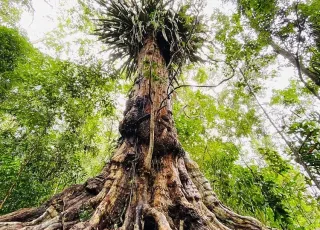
[(293, 150), (291, 58)]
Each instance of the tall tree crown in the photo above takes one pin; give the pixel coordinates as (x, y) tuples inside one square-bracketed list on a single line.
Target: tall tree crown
[(127, 24)]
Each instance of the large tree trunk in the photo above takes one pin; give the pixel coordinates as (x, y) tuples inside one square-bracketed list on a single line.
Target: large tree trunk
[(149, 183)]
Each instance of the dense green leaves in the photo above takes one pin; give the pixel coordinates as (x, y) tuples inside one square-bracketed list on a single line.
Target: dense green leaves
[(287, 96), (285, 26), (310, 13), (245, 171), (307, 137), (12, 49), (51, 114)]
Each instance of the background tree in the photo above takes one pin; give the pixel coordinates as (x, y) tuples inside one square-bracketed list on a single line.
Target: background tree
[(263, 27), (289, 23), (47, 121), (286, 26)]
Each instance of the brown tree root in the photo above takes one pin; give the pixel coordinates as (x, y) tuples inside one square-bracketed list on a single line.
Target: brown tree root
[(158, 217), (174, 196), (211, 201)]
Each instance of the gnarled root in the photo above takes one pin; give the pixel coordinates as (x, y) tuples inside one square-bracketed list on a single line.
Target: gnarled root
[(174, 195), (210, 200)]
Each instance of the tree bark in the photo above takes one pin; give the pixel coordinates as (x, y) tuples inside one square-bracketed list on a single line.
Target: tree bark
[(150, 182)]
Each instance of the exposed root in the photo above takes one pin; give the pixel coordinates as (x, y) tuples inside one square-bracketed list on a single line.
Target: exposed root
[(25, 214), (176, 196), (224, 214), (158, 217), (109, 210)]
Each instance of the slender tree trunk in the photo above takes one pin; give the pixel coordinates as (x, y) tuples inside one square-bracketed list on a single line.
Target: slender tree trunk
[(293, 60), (150, 182), (295, 152)]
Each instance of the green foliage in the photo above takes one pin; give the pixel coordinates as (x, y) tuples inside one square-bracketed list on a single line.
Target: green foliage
[(290, 23), (86, 213), (295, 24), (11, 10), (201, 76), (51, 113), (12, 48), (262, 11), (238, 44), (268, 188), (307, 134), (310, 13), (301, 127), (287, 96)]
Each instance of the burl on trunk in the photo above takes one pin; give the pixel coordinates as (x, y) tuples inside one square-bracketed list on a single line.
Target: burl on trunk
[(150, 182)]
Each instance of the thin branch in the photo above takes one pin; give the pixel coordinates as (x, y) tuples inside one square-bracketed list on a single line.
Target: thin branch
[(202, 86), (293, 150)]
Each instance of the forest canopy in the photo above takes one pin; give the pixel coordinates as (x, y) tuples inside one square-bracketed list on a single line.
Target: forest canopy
[(245, 105)]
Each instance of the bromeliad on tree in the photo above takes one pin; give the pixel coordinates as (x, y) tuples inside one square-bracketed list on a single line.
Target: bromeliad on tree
[(127, 24), (150, 182)]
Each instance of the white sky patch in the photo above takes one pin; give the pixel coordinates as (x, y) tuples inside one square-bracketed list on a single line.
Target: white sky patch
[(42, 20), (225, 7), (45, 16)]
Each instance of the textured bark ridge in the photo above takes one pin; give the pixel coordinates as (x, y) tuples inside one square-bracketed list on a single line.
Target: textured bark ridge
[(150, 183)]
